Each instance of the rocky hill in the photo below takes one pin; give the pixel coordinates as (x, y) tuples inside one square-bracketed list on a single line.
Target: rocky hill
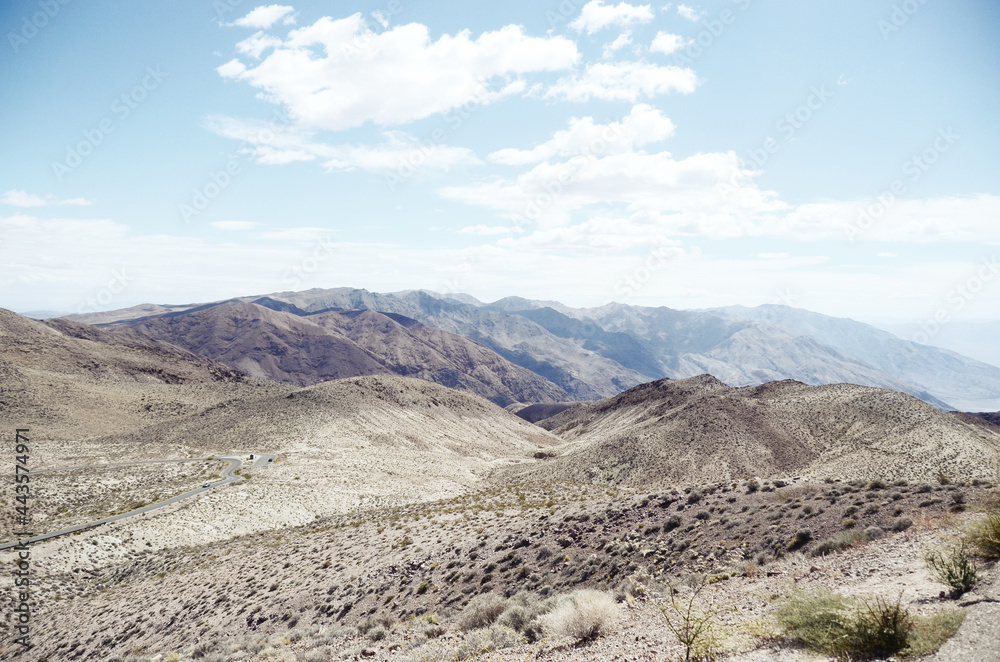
[(598, 352), (667, 432)]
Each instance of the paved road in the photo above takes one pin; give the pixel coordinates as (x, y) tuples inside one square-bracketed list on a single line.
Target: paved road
[(228, 476)]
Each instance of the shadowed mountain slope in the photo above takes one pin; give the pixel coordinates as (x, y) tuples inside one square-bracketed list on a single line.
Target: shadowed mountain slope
[(303, 349), (599, 352)]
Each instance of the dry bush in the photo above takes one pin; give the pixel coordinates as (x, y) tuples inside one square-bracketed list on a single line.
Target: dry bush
[(583, 615), (482, 611), (985, 535)]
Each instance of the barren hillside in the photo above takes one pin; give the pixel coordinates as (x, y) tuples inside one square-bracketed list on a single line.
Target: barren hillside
[(667, 431), (280, 342)]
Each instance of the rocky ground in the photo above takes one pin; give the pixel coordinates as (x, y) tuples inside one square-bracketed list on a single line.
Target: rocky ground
[(412, 571)]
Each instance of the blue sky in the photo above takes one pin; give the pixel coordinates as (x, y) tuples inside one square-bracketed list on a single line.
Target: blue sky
[(835, 155)]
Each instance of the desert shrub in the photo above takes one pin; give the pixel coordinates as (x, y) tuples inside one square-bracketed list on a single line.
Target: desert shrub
[(317, 655), (849, 523), (583, 615), (692, 621), (879, 629), (930, 632), (377, 633), (523, 615), (876, 485), (482, 611), (873, 533), (954, 569), (702, 515), (801, 539), (838, 542), (752, 486), (901, 524), (694, 496), (984, 536), (830, 623)]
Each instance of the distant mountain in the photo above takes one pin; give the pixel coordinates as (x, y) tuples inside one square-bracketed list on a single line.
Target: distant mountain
[(964, 383), (593, 353), (277, 340), (977, 339), (698, 429)]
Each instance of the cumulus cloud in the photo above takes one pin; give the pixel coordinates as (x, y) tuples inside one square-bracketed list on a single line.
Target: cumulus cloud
[(667, 43), (595, 16), (257, 43), (265, 16), (623, 81), (620, 42), (21, 198), (689, 12), (643, 125), (339, 74)]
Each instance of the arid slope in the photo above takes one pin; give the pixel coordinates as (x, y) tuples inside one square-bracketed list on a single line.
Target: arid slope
[(667, 432), (304, 349)]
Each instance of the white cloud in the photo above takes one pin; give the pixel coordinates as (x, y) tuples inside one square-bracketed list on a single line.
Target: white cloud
[(888, 255), (20, 198), (270, 144), (265, 16), (489, 230), (256, 44), (773, 256), (298, 234), (338, 74), (690, 13), (620, 42), (595, 16), (680, 197), (234, 226), (643, 125), (667, 43), (585, 265), (623, 81)]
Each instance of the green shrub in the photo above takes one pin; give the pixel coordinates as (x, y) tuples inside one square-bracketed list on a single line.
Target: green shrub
[(834, 625), (953, 569), (930, 632), (985, 535)]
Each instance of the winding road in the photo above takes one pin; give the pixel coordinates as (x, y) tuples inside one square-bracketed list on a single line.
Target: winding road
[(228, 476)]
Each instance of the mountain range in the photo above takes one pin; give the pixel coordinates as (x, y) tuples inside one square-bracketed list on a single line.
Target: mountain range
[(542, 351)]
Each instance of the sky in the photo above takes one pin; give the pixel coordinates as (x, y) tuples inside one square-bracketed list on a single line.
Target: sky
[(835, 155)]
